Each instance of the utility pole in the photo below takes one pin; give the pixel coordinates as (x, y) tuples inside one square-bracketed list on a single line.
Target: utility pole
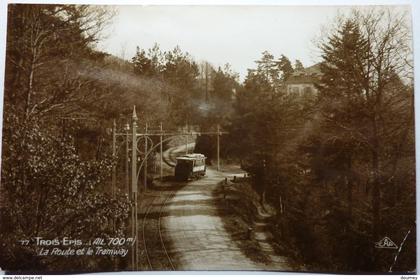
[(145, 158), (134, 188), (114, 173), (127, 171), (186, 141), (114, 154), (161, 151), (127, 151), (207, 81), (218, 147)]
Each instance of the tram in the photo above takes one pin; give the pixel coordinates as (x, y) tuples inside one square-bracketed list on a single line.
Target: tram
[(190, 166)]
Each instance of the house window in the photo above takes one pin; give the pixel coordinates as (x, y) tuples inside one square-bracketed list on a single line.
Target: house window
[(308, 90), (295, 89)]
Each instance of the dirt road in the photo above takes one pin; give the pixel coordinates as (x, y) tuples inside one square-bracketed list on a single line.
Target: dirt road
[(196, 233)]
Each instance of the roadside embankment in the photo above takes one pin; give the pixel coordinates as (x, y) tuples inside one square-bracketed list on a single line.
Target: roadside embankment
[(248, 220)]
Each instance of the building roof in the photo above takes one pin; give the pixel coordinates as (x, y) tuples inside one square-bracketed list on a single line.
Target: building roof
[(309, 75)]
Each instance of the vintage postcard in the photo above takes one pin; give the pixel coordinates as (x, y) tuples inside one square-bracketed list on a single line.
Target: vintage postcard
[(208, 138)]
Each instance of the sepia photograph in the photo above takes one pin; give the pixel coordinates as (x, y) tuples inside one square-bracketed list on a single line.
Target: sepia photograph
[(239, 138)]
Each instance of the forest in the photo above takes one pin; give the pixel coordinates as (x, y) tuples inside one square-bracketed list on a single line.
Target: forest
[(338, 164)]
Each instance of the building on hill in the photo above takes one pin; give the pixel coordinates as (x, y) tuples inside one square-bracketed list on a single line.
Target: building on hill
[(303, 82)]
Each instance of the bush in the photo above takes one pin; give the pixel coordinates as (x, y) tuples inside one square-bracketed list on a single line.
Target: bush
[(49, 192)]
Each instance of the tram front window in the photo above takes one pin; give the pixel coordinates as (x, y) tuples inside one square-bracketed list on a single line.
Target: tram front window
[(185, 163)]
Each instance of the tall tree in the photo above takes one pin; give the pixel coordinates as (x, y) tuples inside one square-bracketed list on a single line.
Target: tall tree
[(298, 65), (43, 40), (364, 64), (181, 71), (142, 65), (286, 67), (267, 68), (157, 58)]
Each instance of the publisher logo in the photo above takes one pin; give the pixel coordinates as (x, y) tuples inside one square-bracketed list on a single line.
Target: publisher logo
[(386, 243)]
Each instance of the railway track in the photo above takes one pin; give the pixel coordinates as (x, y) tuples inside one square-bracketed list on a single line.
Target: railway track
[(155, 249)]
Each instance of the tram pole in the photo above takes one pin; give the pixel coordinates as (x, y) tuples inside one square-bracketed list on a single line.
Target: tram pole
[(186, 141), (114, 173), (134, 188), (218, 147), (161, 152), (145, 159), (127, 152), (114, 153)]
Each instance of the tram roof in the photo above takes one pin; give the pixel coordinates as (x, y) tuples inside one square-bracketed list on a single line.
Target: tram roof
[(191, 157)]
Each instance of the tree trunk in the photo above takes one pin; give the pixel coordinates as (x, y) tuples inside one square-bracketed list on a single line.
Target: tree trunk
[(349, 187), (29, 90), (376, 196)]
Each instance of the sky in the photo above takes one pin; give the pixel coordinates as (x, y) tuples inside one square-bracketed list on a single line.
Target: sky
[(220, 34)]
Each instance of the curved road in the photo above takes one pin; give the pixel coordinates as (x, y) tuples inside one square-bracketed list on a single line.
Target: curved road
[(195, 232)]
